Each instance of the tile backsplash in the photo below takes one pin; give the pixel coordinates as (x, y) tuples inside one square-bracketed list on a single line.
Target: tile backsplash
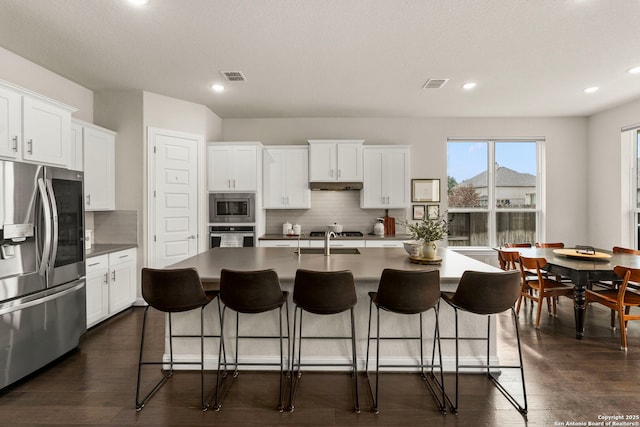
[(114, 226), (328, 207)]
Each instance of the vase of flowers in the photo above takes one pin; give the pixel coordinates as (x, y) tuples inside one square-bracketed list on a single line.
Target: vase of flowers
[(429, 231)]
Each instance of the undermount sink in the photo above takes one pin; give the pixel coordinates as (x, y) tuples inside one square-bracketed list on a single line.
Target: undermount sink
[(333, 251)]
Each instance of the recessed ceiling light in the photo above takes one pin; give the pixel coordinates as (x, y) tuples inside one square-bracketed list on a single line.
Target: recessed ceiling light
[(138, 3), (591, 89), (469, 85), (218, 88), (634, 70)]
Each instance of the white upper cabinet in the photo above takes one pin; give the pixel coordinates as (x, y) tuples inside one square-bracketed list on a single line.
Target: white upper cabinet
[(286, 177), (99, 168), (10, 124), (46, 132), (386, 177), (233, 166), (33, 128), (335, 160)]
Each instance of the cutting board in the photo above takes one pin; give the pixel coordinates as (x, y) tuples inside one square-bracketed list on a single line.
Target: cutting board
[(389, 225)]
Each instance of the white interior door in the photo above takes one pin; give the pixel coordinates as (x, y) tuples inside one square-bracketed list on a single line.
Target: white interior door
[(174, 196)]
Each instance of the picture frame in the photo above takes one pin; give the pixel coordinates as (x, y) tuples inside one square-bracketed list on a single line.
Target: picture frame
[(425, 190), (433, 211), (418, 212)]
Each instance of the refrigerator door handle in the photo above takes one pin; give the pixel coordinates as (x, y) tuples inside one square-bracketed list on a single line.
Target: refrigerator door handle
[(46, 250), (54, 233)]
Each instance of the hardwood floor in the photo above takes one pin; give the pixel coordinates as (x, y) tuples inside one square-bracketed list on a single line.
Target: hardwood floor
[(567, 381)]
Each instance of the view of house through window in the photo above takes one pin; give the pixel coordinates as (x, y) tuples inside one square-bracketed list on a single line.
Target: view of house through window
[(492, 192)]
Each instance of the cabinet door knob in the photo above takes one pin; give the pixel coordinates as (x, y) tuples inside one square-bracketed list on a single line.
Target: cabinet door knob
[(15, 143), (30, 146), (88, 199)]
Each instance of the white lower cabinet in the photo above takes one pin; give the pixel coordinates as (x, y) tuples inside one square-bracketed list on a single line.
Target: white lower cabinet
[(384, 243), (111, 284), (289, 243), (337, 243), (97, 289)]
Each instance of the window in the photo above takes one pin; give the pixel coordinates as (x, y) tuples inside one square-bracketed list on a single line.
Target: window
[(492, 205), (636, 190)]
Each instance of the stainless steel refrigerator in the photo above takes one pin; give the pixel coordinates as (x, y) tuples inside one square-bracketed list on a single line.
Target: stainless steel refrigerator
[(42, 266)]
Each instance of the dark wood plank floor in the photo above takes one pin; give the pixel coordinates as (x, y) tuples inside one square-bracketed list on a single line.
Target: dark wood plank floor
[(567, 381)]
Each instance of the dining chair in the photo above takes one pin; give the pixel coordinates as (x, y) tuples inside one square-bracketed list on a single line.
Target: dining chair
[(517, 245), (543, 285), (508, 259), (558, 245), (613, 284), (620, 300), (555, 245)]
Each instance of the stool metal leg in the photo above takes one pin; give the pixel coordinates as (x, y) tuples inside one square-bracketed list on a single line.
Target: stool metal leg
[(355, 362), (296, 361), (140, 403), (521, 408)]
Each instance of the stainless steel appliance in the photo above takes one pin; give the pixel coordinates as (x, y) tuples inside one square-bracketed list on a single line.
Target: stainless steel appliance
[(232, 208), (42, 266), (223, 236)]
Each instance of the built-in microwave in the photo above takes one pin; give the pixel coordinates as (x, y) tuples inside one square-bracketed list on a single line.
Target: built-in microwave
[(232, 207)]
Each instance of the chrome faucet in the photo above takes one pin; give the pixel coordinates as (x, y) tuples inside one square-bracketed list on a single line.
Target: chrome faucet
[(327, 237)]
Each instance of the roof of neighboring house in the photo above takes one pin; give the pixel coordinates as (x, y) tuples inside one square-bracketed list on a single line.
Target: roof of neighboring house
[(505, 177)]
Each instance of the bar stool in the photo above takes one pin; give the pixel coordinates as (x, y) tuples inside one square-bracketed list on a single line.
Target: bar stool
[(486, 294), (407, 292), (173, 291), (251, 292), (323, 293)]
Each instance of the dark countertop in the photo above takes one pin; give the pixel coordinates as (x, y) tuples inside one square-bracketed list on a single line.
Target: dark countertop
[(101, 248), (365, 237)]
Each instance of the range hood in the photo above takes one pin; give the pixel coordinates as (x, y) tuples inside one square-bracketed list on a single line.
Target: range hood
[(335, 186)]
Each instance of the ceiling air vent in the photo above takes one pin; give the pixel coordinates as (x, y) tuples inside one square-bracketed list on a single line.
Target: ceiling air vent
[(234, 76), (434, 83)]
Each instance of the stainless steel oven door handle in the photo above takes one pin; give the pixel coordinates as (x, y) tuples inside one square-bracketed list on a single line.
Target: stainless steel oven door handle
[(46, 249)]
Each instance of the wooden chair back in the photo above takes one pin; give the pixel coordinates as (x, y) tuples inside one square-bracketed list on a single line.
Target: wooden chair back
[(508, 259), (535, 265), (517, 245), (621, 250), (559, 245)]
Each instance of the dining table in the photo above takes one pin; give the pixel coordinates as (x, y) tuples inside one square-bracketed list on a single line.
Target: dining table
[(582, 268)]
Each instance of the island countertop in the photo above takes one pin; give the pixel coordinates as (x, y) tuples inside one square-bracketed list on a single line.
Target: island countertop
[(366, 266)]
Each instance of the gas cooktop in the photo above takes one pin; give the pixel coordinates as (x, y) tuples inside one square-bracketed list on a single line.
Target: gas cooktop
[(343, 234)]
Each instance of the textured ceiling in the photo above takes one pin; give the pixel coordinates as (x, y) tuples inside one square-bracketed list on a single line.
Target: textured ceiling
[(342, 58)]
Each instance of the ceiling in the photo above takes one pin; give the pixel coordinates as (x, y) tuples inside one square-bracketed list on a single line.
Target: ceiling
[(342, 58)]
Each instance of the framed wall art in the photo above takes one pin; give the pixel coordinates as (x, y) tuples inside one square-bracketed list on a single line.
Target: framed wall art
[(425, 190), (433, 211), (418, 212)]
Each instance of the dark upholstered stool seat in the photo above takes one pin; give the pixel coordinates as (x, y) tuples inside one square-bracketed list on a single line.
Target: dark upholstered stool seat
[(251, 292), (410, 293), (322, 293), (486, 294), (173, 291)]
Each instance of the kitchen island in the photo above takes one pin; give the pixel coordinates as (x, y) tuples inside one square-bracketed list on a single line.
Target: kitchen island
[(366, 266)]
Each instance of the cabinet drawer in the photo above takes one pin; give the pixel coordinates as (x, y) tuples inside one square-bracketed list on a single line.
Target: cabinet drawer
[(120, 257), (97, 263)]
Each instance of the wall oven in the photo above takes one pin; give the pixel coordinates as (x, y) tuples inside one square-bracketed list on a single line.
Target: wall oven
[(222, 236), (232, 207)]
